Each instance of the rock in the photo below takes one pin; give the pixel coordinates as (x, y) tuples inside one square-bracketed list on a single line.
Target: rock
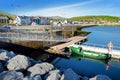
[(33, 62), (19, 62), (69, 74), (1, 67), (53, 75), (5, 55), (100, 77), (11, 75), (85, 78), (41, 68), (33, 77)]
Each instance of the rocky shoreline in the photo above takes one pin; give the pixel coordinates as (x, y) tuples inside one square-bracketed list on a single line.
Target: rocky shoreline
[(19, 67)]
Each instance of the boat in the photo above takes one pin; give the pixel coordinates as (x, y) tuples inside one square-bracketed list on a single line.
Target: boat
[(79, 57), (77, 49), (65, 51)]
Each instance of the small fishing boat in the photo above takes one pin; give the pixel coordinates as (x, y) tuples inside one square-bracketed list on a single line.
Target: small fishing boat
[(63, 52), (77, 49)]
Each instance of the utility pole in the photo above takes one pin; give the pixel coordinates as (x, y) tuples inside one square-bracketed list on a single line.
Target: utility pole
[(16, 9), (6, 20), (72, 30), (51, 27)]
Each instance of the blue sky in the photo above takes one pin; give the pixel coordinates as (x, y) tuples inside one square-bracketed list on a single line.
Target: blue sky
[(64, 8)]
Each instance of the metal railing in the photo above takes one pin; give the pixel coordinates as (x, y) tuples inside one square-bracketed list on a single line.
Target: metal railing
[(100, 46), (9, 34)]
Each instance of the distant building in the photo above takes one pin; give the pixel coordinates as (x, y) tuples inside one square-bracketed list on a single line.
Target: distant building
[(22, 20), (4, 19), (31, 20), (35, 21), (67, 22), (59, 24), (55, 23), (11, 21), (45, 21)]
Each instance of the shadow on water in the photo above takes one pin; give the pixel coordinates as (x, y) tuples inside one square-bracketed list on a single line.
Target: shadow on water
[(90, 67), (79, 57), (107, 62), (37, 54)]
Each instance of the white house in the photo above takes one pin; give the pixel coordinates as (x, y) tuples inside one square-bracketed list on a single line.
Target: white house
[(59, 24), (17, 21), (22, 20), (31, 20), (33, 23), (67, 22)]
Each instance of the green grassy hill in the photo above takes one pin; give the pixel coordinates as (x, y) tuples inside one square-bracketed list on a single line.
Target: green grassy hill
[(57, 18), (10, 16), (96, 18)]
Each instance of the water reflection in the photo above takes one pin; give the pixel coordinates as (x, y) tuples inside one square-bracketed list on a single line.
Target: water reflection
[(106, 62), (91, 67)]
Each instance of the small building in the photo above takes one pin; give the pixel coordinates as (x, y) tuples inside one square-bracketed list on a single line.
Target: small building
[(22, 20), (4, 19), (37, 21), (40, 21), (59, 24), (67, 22), (45, 21), (11, 21), (33, 23)]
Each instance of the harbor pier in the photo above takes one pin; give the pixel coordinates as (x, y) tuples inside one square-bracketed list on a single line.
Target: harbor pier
[(57, 49)]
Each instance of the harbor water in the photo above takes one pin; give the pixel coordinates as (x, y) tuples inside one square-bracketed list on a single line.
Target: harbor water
[(103, 35), (91, 67)]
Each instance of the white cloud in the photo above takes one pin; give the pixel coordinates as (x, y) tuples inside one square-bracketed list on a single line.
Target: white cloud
[(65, 11)]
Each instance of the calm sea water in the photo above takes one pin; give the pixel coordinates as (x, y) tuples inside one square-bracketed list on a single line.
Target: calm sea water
[(103, 35), (90, 67)]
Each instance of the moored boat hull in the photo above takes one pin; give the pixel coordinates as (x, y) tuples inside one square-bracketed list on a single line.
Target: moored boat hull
[(90, 54), (96, 55)]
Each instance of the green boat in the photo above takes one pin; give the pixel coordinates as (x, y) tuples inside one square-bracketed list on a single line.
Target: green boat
[(76, 49)]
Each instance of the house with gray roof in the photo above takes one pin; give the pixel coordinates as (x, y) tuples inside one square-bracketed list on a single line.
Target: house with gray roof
[(4, 19)]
